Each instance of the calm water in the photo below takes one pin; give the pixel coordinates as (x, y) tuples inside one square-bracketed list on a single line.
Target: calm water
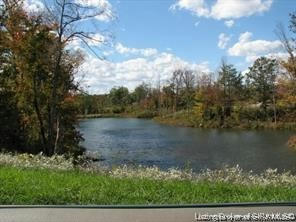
[(145, 142)]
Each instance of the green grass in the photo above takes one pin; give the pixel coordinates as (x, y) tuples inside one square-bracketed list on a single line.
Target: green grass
[(37, 186), (181, 118)]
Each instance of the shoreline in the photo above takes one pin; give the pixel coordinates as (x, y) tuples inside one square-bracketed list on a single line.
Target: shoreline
[(174, 120)]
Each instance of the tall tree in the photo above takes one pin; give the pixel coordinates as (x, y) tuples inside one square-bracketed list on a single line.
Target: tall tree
[(230, 81), (119, 96), (289, 64), (188, 89), (66, 16), (141, 92), (177, 81), (29, 52), (262, 77)]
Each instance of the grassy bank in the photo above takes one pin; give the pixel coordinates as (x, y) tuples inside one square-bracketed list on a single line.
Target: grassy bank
[(43, 186), (187, 119), (28, 179), (182, 118)]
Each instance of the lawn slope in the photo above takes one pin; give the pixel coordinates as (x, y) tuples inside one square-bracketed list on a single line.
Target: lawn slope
[(46, 186)]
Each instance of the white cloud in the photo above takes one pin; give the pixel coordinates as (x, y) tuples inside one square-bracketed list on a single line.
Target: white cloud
[(108, 53), (101, 75), (275, 55), (33, 6), (94, 3), (246, 36), (197, 7), (229, 23), (95, 40), (121, 49), (252, 49), (223, 40), (224, 9), (102, 7)]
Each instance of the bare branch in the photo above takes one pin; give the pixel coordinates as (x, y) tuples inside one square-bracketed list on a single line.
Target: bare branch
[(91, 49), (281, 34)]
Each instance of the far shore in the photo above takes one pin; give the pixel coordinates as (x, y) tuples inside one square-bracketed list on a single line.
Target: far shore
[(184, 120)]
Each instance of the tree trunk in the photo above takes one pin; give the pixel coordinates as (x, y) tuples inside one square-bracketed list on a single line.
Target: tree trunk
[(53, 117), (274, 109), (57, 136), (37, 110)]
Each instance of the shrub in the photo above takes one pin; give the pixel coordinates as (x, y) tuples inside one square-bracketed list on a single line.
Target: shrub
[(292, 142), (147, 114)]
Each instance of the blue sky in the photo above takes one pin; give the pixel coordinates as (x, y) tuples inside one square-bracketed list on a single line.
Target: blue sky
[(154, 37), (150, 24)]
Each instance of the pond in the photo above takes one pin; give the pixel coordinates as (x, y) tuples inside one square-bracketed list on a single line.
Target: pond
[(145, 142)]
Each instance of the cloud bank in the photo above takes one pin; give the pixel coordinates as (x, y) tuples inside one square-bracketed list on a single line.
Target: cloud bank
[(101, 75), (223, 9), (252, 49)]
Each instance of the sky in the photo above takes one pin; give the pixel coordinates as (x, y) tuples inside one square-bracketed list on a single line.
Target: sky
[(152, 38)]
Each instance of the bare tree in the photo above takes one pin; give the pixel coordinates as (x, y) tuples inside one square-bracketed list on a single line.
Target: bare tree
[(177, 81), (183, 81), (204, 80), (188, 82), (282, 35), (67, 17), (288, 46)]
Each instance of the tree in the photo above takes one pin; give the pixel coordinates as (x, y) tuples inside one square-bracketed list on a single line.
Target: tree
[(183, 84), (119, 96), (289, 87), (230, 81), (289, 46), (262, 77), (28, 52), (289, 64), (207, 104), (177, 80), (168, 98), (15, 34), (66, 16), (141, 92), (188, 78)]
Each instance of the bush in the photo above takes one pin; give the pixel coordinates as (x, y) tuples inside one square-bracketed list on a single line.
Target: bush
[(118, 109), (147, 114), (292, 142)]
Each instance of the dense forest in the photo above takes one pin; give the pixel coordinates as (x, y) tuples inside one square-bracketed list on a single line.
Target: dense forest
[(40, 101)]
